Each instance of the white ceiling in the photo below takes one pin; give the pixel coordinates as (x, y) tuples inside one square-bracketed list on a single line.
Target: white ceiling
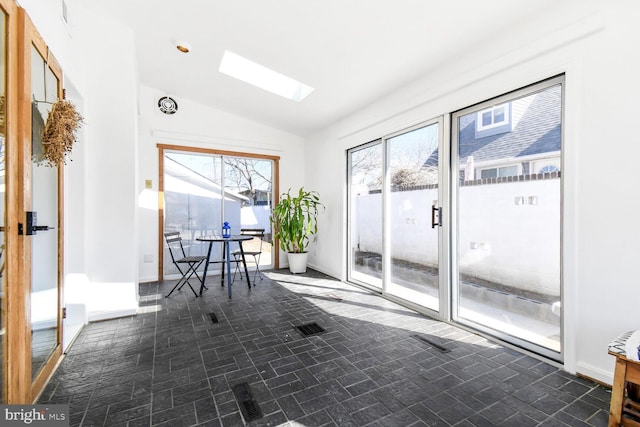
[(351, 51)]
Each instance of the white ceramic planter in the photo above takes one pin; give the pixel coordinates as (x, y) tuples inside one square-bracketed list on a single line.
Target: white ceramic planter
[(298, 262)]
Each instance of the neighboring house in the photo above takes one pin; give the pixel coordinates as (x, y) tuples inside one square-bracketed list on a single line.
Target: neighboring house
[(257, 198), (520, 137)]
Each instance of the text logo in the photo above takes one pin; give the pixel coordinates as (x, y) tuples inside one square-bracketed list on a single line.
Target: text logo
[(34, 415)]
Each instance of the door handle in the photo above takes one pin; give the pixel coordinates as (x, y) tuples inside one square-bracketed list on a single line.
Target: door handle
[(433, 217), (32, 226)]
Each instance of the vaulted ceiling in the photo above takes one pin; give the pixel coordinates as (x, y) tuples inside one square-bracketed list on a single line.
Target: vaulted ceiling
[(352, 52)]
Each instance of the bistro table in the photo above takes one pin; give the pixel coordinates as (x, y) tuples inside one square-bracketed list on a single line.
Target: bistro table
[(226, 257)]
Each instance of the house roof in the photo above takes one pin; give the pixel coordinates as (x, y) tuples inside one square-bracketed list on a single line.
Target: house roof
[(537, 131), (181, 179)]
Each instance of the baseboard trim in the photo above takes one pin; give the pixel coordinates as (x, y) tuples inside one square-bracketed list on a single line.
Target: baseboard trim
[(97, 316), (596, 374), (324, 271)]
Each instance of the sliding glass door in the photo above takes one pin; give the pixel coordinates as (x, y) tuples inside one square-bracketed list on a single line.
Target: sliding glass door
[(203, 189), (394, 214), (508, 158), (365, 214), (193, 201), (412, 197), (466, 222)]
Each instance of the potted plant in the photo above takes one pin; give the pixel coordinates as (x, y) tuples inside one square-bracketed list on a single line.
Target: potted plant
[(294, 220)]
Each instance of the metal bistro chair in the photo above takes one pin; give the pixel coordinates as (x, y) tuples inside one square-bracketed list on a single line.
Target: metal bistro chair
[(189, 263), (252, 248)]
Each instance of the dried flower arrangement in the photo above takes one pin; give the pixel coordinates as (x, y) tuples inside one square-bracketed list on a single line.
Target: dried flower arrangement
[(60, 133)]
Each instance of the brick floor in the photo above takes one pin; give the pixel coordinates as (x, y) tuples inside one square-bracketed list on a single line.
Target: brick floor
[(171, 365)]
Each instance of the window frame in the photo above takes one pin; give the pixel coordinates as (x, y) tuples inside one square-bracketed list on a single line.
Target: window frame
[(162, 148), (497, 169), (480, 127)]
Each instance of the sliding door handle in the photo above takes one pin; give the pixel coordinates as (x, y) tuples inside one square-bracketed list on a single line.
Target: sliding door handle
[(433, 217)]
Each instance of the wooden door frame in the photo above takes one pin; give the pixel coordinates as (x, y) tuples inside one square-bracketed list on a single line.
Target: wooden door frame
[(19, 386), (14, 388), (166, 147)]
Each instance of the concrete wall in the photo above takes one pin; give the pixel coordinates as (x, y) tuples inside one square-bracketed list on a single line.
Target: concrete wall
[(591, 44), (503, 236), (256, 217)]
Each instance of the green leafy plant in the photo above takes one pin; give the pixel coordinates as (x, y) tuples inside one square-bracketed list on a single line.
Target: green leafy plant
[(295, 219)]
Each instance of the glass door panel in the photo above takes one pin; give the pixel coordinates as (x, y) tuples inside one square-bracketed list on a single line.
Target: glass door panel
[(44, 203), (192, 194), (203, 190), (413, 243), (248, 185), (508, 155), (365, 215)]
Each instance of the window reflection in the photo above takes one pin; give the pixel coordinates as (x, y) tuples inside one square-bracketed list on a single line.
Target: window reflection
[(44, 201)]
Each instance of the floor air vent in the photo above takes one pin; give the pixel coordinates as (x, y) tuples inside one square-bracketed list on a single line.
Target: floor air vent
[(213, 317), (437, 346), (310, 329), (249, 407)]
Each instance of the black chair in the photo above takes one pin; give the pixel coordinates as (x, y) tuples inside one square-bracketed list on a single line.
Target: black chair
[(179, 257), (252, 248)]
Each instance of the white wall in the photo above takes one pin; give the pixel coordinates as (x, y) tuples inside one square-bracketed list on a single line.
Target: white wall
[(100, 234), (111, 168), (592, 42), (64, 40), (112, 144), (113, 221), (196, 125)]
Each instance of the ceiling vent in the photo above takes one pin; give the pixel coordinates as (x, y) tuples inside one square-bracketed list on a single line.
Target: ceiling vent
[(167, 105)]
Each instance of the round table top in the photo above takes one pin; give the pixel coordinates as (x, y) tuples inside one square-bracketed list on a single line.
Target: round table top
[(219, 238)]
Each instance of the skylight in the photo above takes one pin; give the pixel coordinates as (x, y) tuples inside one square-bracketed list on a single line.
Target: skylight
[(248, 71)]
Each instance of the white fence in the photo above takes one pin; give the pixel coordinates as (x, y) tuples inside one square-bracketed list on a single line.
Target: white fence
[(256, 217), (508, 233)]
